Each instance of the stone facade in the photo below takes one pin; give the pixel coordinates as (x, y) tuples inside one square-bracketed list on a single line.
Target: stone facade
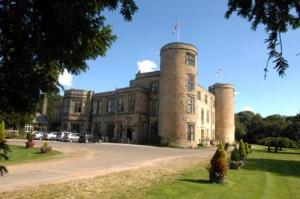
[(166, 106)]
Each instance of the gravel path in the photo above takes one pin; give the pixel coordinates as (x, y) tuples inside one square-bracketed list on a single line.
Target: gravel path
[(90, 160)]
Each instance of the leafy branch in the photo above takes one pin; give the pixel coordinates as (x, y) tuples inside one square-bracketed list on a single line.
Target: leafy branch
[(277, 16)]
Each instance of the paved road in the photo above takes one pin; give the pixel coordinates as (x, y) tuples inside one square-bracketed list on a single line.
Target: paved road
[(89, 160)]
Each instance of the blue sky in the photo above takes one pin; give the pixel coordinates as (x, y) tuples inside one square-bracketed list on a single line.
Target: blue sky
[(227, 44)]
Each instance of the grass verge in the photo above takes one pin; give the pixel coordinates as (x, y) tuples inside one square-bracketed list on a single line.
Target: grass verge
[(20, 154), (265, 175)]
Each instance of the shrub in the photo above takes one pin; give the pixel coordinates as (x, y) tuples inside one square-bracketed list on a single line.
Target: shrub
[(235, 155), (247, 148), (2, 130), (45, 148), (235, 162), (242, 150), (217, 170), (29, 143)]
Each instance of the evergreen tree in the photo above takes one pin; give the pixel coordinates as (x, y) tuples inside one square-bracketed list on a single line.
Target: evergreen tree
[(242, 150), (2, 130), (218, 168)]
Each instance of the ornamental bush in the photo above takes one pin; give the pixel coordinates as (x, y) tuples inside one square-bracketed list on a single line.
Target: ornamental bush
[(2, 130), (29, 143), (45, 148), (217, 169), (235, 155), (235, 158), (247, 148), (242, 150)]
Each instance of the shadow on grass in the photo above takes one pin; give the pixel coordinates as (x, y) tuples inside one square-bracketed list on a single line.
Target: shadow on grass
[(199, 181), (280, 167)]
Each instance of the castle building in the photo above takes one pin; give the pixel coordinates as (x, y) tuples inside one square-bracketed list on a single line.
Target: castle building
[(162, 107)]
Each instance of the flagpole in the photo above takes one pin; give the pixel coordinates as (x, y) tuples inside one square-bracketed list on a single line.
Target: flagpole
[(178, 31)]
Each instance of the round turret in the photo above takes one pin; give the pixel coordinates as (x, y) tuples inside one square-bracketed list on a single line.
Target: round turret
[(224, 107), (178, 77)]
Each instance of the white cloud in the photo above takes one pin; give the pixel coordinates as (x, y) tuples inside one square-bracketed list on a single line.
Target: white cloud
[(248, 108), (65, 78), (145, 66)]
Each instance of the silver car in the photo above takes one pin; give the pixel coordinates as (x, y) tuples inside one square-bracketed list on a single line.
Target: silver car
[(71, 137)]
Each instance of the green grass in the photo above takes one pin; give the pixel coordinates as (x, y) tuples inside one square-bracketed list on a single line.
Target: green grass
[(20, 154), (265, 175)]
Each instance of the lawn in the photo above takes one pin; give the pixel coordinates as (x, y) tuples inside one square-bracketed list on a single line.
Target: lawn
[(265, 175), (20, 154)]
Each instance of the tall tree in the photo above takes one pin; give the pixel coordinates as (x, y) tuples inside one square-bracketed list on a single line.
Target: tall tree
[(277, 16), (41, 38)]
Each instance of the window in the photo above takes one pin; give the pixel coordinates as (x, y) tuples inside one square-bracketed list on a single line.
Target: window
[(111, 105), (154, 108), (131, 103), (97, 128), (202, 115), (120, 129), (66, 106), (75, 127), (95, 107), (154, 86), (205, 99), (191, 82), (190, 59), (110, 130), (202, 135), (153, 130), (199, 95), (120, 104), (76, 106), (207, 116), (99, 106), (191, 105), (191, 132)]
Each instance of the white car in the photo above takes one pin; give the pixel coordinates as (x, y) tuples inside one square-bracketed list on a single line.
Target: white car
[(50, 136), (71, 137), (60, 135), (38, 135)]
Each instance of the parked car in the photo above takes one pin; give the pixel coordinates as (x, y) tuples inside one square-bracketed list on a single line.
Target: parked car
[(50, 135), (71, 137), (88, 137), (38, 135), (60, 135)]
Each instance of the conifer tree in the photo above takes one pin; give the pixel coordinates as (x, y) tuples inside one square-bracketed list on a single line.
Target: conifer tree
[(242, 150)]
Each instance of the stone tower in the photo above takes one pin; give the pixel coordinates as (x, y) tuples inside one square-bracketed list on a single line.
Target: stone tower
[(178, 64), (224, 106)]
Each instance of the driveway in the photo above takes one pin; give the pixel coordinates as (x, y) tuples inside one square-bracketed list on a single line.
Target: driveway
[(90, 160)]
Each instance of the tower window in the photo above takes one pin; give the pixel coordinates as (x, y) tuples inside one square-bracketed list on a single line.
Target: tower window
[(191, 105), (191, 132), (189, 59), (191, 82), (199, 95)]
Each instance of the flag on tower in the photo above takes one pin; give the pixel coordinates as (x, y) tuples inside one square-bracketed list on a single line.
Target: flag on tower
[(176, 30)]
